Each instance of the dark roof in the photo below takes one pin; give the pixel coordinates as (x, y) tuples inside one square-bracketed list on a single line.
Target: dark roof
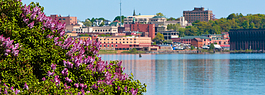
[(198, 39), (192, 37)]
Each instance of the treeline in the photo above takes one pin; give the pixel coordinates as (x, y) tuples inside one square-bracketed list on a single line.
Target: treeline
[(233, 21)]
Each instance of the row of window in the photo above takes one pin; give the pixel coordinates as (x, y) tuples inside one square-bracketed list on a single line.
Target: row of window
[(64, 19), (108, 45), (117, 42), (117, 39), (197, 13)]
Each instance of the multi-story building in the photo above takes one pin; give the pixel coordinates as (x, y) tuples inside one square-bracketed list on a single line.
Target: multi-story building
[(144, 19), (198, 14), (67, 20), (124, 43), (145, 28), (243, 39), (104, 29), (206, 39)]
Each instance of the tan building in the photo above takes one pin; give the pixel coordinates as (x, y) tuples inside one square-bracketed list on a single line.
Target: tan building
[(198, 14), (104, 29), (124, 43), (144, 19)]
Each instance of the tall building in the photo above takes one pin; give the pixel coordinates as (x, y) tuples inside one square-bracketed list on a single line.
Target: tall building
[(67, 20), (149, 29), (198, 14)]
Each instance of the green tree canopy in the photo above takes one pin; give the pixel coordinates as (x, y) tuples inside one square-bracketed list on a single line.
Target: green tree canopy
[(159, 38), (233, 21), (159, 14), (118, 18)]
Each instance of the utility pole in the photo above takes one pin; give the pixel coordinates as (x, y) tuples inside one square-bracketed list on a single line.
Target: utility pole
[(120, 13)]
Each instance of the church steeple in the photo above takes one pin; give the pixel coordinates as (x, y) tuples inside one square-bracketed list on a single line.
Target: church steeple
[(134, 13)]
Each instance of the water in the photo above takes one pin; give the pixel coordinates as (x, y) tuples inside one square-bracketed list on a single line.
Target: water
[(197, 74)]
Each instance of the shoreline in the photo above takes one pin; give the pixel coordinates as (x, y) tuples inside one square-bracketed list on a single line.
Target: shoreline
[(179, 52)]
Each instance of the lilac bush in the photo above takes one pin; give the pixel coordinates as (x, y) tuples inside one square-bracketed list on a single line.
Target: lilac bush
[(37, 58)]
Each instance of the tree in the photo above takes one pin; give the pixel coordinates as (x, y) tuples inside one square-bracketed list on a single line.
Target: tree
[(159, 14), (231, 16), (134, 13), (118, 18), (245, 24), (192, 47), (211, 46), (167, 41), (37, 58), (159, 38), (87, 22), (102, 24), (181, 32), (252, 26), (171, 19), (173, 26)]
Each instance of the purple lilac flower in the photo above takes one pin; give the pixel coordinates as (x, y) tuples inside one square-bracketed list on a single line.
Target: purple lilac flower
[(118, 88), (12, 88), (26, 86), (6, 92), (134, 92), (53, 66), (76, 85), (17, 91), (94, 86), (5, 85), (68, 80), (82, 85), (31, 25), (50, 73), (125, 88), (43, 79), (15, 52), (26, 20), (33, 16), (65, 72)]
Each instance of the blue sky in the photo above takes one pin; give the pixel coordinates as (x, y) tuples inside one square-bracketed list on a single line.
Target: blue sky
[(109, 9)]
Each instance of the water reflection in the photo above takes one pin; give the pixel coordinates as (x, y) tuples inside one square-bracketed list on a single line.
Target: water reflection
[(197, 74)]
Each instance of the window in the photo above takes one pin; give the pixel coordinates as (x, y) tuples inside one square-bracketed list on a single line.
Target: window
[(70, 19), (100, 45), (108, 45), (104, 45), (116, 45), (60, 19), (63, 18), (111, 45)]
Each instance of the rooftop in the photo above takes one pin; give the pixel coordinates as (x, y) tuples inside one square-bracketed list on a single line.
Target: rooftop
[(192, 37)]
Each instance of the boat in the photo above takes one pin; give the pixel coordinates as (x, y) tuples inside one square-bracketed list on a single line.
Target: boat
[(140, 55)]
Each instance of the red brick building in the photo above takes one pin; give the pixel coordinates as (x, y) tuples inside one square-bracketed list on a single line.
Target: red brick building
[(67, 20), (197, 42), (149, 28)]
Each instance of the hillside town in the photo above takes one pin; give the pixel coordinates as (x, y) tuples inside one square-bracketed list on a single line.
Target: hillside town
[(142, 32)]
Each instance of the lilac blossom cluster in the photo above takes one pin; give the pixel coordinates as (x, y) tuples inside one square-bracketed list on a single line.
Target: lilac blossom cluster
[(14, 91), (9, 47), (31, 17), (77, 53)]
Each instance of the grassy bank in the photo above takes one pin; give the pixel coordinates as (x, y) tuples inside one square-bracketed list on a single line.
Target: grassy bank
[(107, 52)]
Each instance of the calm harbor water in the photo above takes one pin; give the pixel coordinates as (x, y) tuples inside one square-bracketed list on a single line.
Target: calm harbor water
[(197, 74)]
